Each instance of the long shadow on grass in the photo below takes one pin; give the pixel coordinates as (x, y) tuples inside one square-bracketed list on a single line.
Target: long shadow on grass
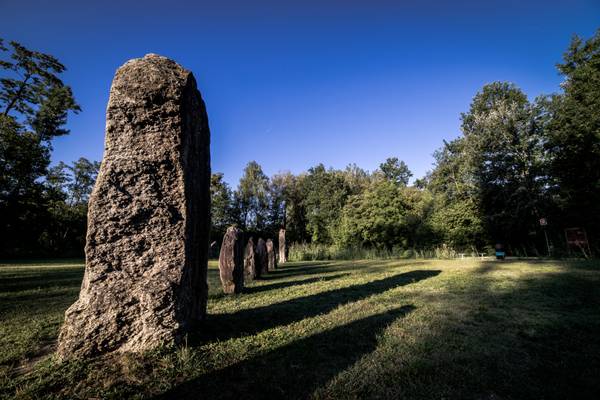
[(286, 284), (325, 267), (252, 321), (42, 279), (273, 286), (303, 269), (526, 336), (293, 371)]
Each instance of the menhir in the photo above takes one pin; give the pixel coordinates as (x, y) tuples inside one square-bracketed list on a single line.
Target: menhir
[(149, 217)]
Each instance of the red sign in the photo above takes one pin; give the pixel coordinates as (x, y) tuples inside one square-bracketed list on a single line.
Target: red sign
[(576, 236)]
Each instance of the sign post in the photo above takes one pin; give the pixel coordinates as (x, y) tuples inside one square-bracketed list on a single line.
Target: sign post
[(543, 224)]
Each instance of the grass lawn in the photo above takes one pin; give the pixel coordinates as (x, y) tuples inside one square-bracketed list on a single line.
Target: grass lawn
[(458, 329)]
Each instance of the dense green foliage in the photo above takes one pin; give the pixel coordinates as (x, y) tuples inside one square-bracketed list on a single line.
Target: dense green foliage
[(386, 215), (573, 137), (396, 171), (516, 162), (222, 208), (43, 212)]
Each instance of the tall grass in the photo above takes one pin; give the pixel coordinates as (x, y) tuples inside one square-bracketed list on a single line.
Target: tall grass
[(313, 252)]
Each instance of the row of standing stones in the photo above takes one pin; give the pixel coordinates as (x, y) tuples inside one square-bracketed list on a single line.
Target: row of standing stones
[(145, 281), (239, 263)]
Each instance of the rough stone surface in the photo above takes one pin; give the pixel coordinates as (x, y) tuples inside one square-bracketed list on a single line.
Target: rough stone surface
[(271, 259), (231, 261), (149, 217), (282, 248), (262, 264), (250, 272)]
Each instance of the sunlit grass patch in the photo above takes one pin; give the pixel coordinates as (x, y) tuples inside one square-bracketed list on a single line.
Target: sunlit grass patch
[(331, 329)]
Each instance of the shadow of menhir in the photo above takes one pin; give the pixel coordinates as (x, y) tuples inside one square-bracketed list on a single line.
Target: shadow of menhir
[(255, 320), (288, 284), (293, 371), (42, 280), (288, 271)]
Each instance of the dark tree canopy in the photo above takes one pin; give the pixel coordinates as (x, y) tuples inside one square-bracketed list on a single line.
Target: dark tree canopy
[(573, 135), (34, 105)]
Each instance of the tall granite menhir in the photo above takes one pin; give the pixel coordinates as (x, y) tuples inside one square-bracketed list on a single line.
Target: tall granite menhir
[(231, 261), (148, 219)]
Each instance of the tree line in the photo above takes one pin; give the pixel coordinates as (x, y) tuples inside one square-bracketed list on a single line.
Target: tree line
[(42, 209), (519, 175), (517, 162)]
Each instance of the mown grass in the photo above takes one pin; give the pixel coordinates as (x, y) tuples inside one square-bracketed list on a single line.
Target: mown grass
[(453, 329)]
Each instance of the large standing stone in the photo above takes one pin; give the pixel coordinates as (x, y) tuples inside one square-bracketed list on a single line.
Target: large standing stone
[(231, 261), (262, 264), (272, 260), (282, 249), (148, 218), (249, 261)]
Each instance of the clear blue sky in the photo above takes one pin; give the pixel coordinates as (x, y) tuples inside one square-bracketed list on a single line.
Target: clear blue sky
[(294, 83)]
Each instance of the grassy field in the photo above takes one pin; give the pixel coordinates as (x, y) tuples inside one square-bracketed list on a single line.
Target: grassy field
[(460, 329)]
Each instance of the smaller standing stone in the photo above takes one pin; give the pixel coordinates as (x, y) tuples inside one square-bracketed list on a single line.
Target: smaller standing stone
[(231, 261), (262, 265), (282, 249), (272, 260), (249, 261)]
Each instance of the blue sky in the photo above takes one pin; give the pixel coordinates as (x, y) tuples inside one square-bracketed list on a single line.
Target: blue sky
[(291, 84)]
